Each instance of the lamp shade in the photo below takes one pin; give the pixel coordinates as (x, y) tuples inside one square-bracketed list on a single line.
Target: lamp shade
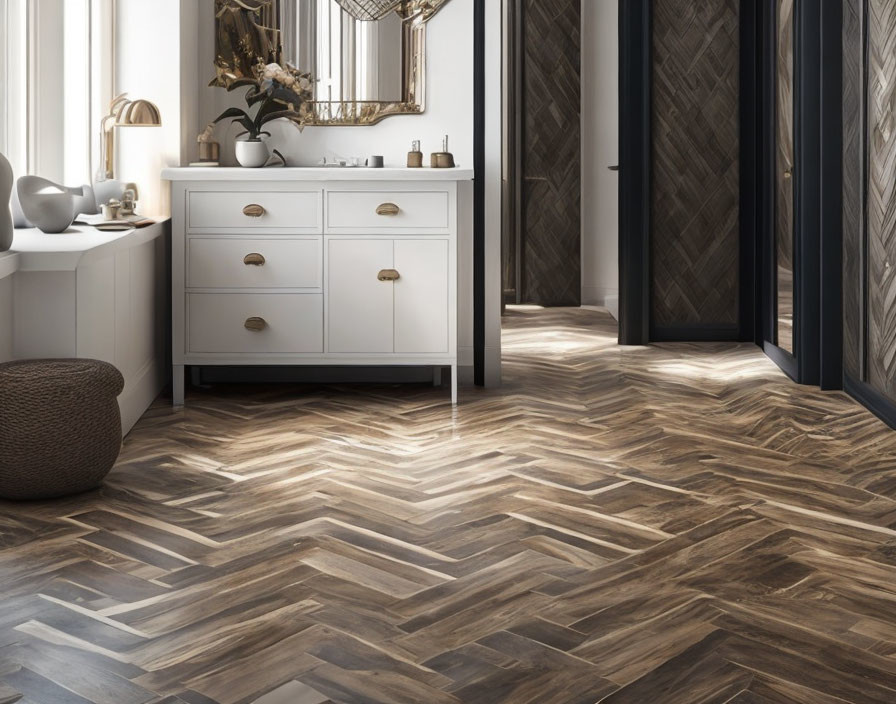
[(138, 113)]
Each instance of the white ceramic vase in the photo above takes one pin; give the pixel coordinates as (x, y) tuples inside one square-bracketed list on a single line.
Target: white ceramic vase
[(252, 153), (6, 181), (47, 205)]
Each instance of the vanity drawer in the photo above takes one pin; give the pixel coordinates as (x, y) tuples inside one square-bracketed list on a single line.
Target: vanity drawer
[(254, 262), (260, 323), (295, 211), (412, 212)]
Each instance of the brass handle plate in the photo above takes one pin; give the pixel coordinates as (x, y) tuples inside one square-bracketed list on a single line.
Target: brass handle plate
[(788, 173), (388, 275), (255, 324), (387, 209), (254, 210), (254, 259)]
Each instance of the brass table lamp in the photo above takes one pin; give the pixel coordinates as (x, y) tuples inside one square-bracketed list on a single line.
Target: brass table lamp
[(124, 113)]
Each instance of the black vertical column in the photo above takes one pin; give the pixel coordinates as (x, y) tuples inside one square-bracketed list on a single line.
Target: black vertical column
[(479, 192), (634, 170)]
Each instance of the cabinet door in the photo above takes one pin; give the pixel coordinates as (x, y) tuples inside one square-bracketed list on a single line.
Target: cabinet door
[(421, 296), (359, 305)]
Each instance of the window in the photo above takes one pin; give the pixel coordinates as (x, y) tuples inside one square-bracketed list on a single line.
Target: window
[(55, 83), (13, 81)]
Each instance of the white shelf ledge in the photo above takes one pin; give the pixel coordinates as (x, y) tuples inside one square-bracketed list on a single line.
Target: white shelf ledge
[(80, 244), (312, 173)]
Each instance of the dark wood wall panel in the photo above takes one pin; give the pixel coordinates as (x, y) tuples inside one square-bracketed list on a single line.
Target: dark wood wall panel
[(695, 199), (551, 188), (853, 137), (881, 218)]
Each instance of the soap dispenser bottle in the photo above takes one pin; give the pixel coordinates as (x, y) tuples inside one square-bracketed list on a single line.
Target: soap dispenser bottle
[(415, 156)]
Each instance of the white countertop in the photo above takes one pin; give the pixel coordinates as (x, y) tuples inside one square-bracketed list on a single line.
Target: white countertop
[(313, 173), (33, 250)]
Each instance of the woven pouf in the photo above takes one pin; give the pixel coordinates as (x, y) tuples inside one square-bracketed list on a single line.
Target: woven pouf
[(60, 427)]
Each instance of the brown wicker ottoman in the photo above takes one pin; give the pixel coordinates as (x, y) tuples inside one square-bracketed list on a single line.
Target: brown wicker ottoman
[(60, 427)]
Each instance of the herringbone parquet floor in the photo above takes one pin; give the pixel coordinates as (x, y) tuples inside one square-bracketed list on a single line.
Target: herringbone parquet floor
[(674, 524)]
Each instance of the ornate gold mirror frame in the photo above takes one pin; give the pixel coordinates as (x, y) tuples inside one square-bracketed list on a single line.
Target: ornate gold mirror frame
[(249, 30)]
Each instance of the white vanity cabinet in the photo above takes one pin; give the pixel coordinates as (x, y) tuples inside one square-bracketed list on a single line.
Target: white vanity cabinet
[(314, 267)]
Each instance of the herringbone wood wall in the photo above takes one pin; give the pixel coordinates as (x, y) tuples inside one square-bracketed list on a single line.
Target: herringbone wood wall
[(853, 205), (551, 237), (881, 203), (695, 200)]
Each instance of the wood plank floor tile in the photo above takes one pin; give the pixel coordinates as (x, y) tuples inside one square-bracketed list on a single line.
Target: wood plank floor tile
[(675, 524)]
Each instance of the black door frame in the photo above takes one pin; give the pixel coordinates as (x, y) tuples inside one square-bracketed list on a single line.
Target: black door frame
[(818, 288), (635, 57), (479, 297), (818, 128), (635, 146)]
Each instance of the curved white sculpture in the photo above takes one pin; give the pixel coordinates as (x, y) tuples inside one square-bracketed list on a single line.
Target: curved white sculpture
[(6, 181), (47, 205), (85, 203)]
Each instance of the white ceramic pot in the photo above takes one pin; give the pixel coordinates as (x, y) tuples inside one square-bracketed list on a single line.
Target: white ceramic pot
[(252, 153), (6, 183), (47, 205)]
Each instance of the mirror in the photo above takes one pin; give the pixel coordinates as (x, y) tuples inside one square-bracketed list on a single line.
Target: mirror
[(784, 162), (366, 56)]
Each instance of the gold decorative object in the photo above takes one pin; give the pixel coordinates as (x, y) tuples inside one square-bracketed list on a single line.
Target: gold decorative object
[(388, 275), (124, 113), (254, 259), (209, 149), (255, 324), (443, 159), (387, 209), (250, 31), (254, 210), (415, 156)]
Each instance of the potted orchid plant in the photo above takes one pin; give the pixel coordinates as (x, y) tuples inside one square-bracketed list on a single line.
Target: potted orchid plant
[(279, 93)]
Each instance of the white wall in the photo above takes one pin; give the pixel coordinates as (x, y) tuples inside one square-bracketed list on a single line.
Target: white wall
[(600, 149), (156, 59)]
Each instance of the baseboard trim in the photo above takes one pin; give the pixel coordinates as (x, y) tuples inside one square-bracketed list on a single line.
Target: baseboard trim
[(695, 333), (872, 399)]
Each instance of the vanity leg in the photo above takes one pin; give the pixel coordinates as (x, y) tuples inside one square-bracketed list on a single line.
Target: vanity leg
[(454, 384), (177, 384), (437, 376)]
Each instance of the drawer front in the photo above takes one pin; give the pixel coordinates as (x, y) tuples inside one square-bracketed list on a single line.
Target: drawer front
[(296, 211), (254, 323), (254, 262), (361, 212)]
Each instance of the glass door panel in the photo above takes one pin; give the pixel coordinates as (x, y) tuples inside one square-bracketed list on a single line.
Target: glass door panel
[(784, 177)]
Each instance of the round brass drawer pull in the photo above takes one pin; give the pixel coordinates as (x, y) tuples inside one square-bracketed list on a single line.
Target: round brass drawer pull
[(254, 259), (388, 275), (255, 324), (387, 209), (254, 210)]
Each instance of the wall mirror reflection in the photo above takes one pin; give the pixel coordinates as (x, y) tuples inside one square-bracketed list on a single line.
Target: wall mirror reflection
[(367, 57)]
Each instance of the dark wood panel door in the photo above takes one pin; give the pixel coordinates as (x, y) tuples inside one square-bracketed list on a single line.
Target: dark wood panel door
[(550, 239), (695, 162)]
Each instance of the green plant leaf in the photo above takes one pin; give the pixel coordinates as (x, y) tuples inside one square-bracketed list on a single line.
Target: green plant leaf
[(231, 112)]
